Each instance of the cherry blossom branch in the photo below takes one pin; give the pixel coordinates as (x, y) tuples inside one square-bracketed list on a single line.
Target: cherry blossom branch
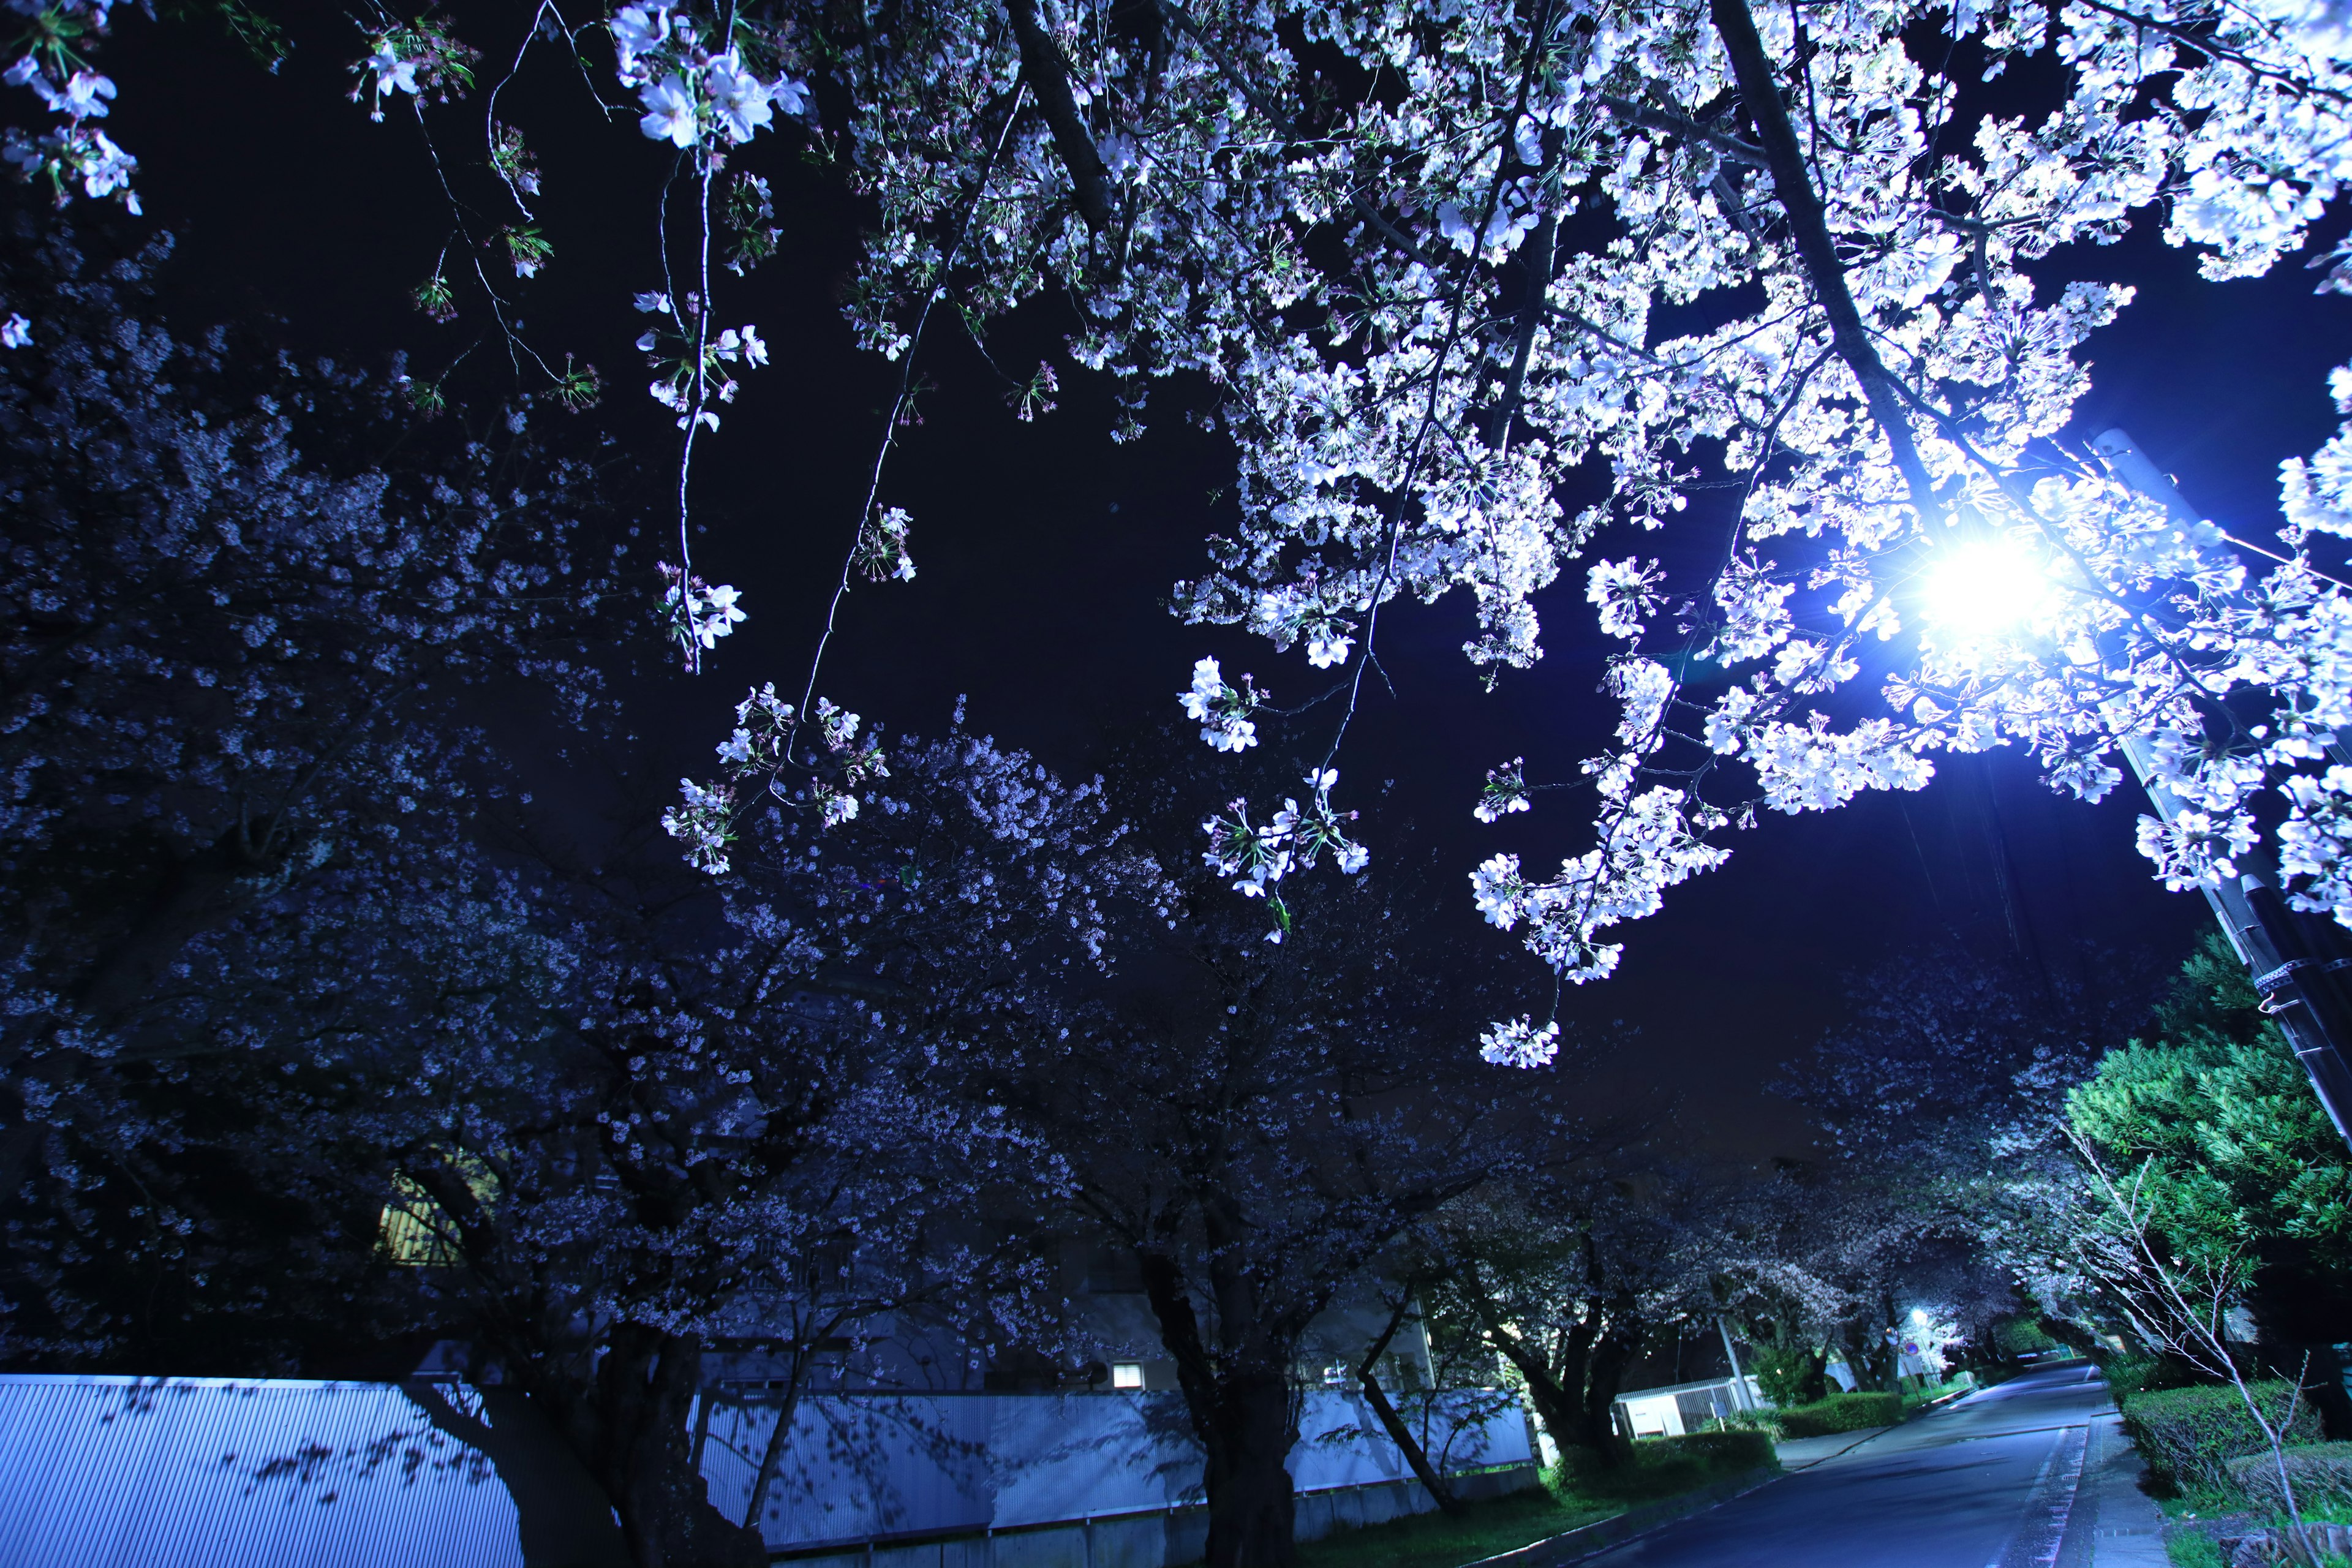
[(1792, 184), (899, 399)]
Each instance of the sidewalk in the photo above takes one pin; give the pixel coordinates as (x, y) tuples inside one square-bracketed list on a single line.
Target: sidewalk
[(2127, 1528)]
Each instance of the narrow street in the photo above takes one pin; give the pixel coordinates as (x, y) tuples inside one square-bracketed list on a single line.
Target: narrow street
[(2016, 1477)]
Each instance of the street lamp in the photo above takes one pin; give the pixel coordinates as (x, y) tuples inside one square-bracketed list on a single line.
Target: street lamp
[(1985, 585)]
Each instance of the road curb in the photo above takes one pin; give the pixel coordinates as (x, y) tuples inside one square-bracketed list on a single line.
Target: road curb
[(1860, 1436), (1602, 1535)]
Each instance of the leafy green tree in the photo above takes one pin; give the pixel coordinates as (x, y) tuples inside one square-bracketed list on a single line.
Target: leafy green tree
[(2232, 1153)]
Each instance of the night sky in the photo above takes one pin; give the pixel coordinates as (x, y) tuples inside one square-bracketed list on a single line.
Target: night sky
[(1044, 551)]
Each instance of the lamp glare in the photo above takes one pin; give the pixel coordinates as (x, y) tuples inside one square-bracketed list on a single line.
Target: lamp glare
[(1985, 586)]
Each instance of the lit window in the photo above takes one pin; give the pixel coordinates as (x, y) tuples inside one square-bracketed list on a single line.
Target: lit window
[(1127, 1374)]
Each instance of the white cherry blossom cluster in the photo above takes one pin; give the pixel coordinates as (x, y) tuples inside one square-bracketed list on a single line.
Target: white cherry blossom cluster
[(1257, 857), (704, 825), (764, 758), (1520, 1042), (49, 64), (882, 547), (691, 365), (1222, 712), (1410, 364), (697, 614), (422, 59), (693, 95), (1506, 792)]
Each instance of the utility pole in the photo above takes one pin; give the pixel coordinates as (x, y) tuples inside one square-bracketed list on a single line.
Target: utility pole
[(2300, 963), (1740, 1400)]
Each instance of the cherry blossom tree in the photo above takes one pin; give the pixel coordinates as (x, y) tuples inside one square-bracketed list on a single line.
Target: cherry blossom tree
[(1571, 1279), (1254, 1124), (1430, 265), (238, 641), (706, 1139)]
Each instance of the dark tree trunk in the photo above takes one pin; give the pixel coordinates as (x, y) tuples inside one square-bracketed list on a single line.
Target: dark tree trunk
[(629, 1428), (1249, 1435), (1048, 75), (1241, 1412), (1604, 1379), (1816, 1384), (1888, 1363), (1792, 185), (1572, 1385)]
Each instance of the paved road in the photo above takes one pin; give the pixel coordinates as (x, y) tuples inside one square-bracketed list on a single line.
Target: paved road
[(1994, 1480)]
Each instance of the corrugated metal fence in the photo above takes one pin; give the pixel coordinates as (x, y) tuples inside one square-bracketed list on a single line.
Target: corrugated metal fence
[(113, 1472)]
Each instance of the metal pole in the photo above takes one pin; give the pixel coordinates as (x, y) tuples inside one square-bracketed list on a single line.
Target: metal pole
[(2300, 963), (1740, 1400)]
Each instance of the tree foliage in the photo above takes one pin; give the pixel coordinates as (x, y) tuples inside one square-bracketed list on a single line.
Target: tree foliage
[(2213, 1120)]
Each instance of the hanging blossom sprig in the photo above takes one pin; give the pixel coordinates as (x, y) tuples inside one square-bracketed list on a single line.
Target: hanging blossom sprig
[(1258, 856), (49, 63), (764, 757), (700, 93), (690, 364), (697, 614), (422, 59), (1521, 1043), (1222, 712)]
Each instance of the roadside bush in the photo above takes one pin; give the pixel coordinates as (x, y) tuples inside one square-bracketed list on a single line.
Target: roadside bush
[(1842, 1413), (1764, 1422), (2322, 1473), (2021, 1336), (2189, 1435), (1726, 1451), (2130, 1374), (1655, 1468)]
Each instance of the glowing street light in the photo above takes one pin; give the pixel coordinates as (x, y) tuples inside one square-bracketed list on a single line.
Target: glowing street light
[(1986, 587)]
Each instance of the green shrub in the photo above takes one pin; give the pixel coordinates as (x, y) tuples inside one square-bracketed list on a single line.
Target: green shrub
[(1784, 1371), (2130, 1374), (2322, 1473), (1655, 1468), (2189, 1435), (1728, 1451), (2020, 1335), (1842, 1413)]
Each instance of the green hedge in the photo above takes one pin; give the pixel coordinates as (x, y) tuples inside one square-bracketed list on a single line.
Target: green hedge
[(2189, 1435), (1841, 1413), (2322, 1472), (1726, 1450)]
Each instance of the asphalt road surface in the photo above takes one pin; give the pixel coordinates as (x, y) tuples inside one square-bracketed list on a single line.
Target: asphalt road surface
[(1989, 1481)]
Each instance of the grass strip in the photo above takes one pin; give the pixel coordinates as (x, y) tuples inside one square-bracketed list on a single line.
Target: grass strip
[(1571, 1497)]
